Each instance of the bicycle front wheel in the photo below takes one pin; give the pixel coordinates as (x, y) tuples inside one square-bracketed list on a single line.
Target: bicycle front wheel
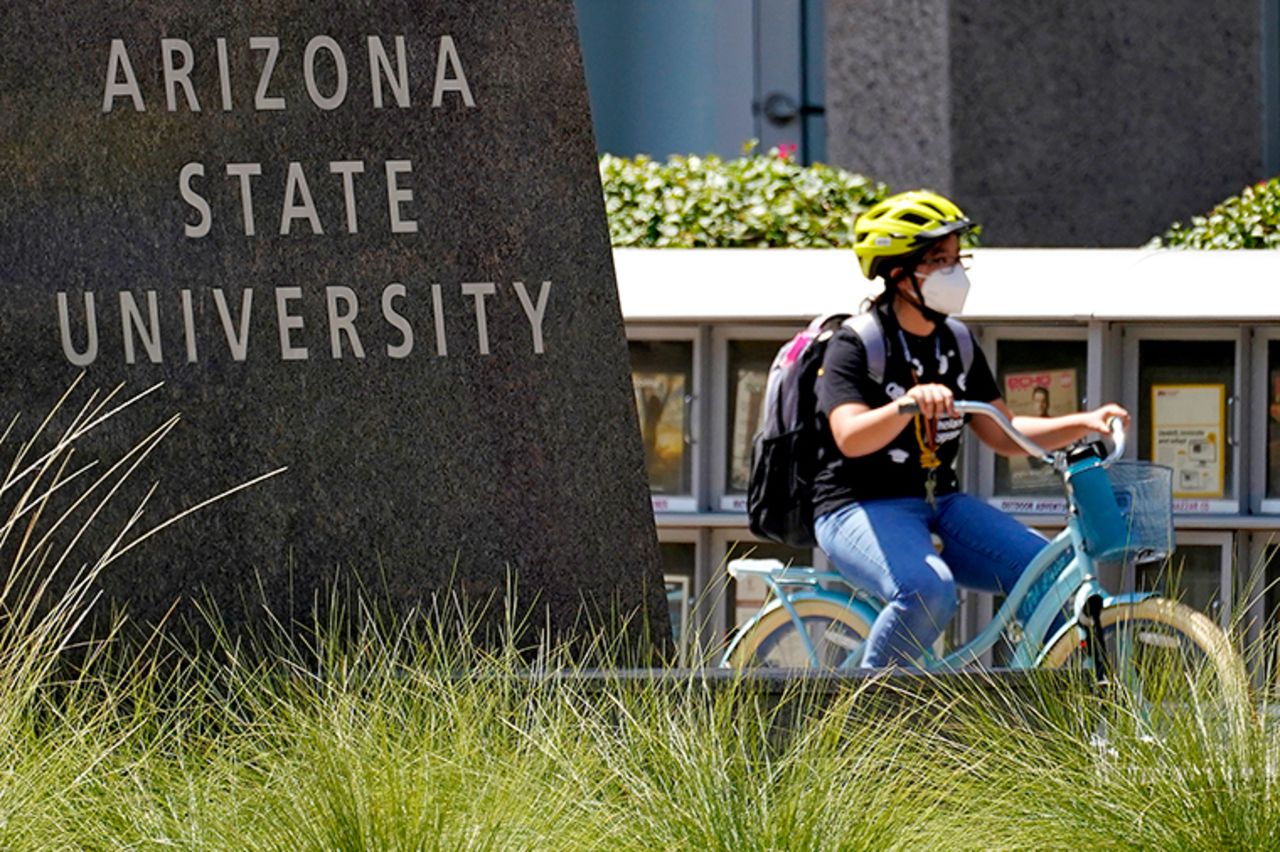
[(1164, 652), (836, 633)]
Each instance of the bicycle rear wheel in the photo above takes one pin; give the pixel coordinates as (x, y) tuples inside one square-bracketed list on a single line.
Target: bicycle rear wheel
[(773, 641), (1165, 654)]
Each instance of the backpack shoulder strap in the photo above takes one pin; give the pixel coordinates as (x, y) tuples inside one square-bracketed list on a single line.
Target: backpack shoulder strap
[(870, 332), (868, 329), (964, 340)]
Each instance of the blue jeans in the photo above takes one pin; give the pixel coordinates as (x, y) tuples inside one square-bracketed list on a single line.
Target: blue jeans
[(883, 547)]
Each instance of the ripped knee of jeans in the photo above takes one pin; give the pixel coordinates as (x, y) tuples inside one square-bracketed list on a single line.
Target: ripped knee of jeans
[(934, 591)]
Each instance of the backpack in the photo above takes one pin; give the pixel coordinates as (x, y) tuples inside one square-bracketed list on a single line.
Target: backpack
[(784, 453)]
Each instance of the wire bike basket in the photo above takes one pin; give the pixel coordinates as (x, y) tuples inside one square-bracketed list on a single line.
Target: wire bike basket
[(1136, 525)]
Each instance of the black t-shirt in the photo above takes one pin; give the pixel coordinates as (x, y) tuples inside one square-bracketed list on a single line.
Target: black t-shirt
[(894, 470)]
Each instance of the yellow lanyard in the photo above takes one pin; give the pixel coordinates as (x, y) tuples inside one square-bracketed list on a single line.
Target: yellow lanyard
[(928, 448), (926, 432), (929, 460), (928, 454)]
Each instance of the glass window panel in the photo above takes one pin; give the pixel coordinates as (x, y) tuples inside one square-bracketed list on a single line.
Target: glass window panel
[(749, 362), (678, 557), (679, 560), (1271, 596), (1273, 419), (1183, 386), (1040, 378), (662, 374), (1193, 575), (1271, 614), (745, 599)]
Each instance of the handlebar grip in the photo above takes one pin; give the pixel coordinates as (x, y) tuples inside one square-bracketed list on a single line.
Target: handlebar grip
[(907, 405)]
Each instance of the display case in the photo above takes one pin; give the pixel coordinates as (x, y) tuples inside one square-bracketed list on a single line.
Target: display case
[(665, 376), (1267, 631), (1040, 372), (740, 372), (1199, 573), (1256, 608), (680, 574), (1186, 393), (1266, 447)]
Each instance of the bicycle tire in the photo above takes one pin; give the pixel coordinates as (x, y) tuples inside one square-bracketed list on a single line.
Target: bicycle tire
[(771, 641), (1179, 649)]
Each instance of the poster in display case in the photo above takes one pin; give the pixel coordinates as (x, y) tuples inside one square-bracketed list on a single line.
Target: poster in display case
[(1038, 393), (661, 399), (1188, 430), (748, 397), (1273, 423)]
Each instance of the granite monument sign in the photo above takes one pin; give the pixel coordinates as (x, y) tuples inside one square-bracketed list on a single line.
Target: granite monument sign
[(363, 241)]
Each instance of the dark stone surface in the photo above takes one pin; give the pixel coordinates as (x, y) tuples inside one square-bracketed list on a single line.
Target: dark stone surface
[(447, 467), (1062, 122)]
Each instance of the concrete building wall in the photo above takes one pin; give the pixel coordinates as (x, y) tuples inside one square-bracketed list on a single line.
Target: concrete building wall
[(889, 90), (1058, 122)]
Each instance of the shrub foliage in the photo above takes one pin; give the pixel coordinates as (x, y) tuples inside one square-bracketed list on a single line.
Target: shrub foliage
[(1248, 220), (755, 200)]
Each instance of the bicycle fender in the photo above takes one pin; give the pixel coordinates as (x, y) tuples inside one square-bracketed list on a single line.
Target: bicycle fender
[(857, 605), (860, 607), (1127, 600), (1073, 623)]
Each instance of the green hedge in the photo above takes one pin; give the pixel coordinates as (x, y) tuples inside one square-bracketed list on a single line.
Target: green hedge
[(1248, 220), (755, 200)]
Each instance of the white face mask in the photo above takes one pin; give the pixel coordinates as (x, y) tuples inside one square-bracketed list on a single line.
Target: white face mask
[(945, 290)]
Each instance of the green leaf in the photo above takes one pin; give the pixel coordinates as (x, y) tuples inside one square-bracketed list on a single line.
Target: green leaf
[(754, 200), (1248, 220)]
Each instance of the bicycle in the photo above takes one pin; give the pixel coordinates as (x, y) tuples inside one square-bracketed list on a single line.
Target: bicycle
[(1118, 512)]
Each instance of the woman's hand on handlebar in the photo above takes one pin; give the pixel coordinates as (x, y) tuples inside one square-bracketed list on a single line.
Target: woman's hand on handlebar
[(1099, 419), (933, 400)]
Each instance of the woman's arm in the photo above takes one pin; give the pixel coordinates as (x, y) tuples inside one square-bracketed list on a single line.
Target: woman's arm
[(860, 430), (1049, 432)]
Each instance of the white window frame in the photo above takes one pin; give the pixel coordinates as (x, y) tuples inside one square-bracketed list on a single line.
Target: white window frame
[(1133, 335), (694, 500), (989, 338), (721, 420)]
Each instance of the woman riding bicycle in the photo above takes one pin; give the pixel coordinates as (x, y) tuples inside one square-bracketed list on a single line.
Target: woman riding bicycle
[(886, 478)]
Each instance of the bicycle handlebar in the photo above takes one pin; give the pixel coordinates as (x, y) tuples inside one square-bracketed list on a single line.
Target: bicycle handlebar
[(1115, 425)]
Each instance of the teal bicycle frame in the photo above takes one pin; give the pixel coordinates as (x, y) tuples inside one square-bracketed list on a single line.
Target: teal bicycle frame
[(1062, 574)]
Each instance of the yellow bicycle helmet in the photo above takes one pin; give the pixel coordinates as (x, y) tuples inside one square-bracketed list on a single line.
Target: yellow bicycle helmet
[(903, 224)]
